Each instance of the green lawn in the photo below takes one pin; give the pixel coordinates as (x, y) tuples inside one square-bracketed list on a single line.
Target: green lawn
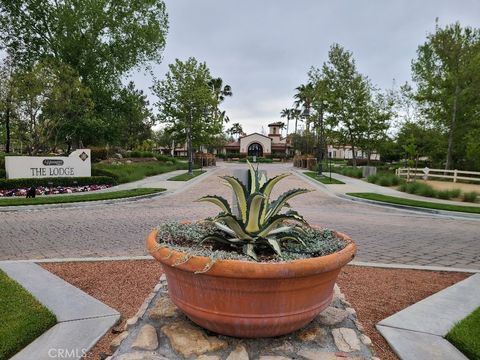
[(23, 318), (416, 203), (185, 176), (78, 198), (465, 335), (137, 171), (323, 179)]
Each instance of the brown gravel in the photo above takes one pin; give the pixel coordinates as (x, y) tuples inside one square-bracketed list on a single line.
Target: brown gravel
[(123, 285), (378, 293), (375, 293)]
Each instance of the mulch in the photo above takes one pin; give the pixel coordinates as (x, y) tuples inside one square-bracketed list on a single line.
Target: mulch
[(375, 293)]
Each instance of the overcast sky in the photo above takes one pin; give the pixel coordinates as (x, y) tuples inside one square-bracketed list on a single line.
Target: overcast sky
[(264, 49)]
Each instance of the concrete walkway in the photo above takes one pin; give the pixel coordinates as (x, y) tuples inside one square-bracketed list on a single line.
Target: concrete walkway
[(418, 331), (81, 319)]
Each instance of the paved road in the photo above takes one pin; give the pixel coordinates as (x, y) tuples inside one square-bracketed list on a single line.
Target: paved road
[(383, 234)]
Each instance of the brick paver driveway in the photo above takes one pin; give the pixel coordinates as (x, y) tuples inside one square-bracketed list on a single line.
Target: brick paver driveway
[(382, 234)]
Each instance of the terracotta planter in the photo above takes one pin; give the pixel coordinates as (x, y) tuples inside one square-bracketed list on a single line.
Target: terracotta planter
[(250, 299)]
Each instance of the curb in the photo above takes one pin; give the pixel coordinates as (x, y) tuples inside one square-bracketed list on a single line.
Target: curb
[(418, 331), (453, 214), (80, 204), (412, 267), (81, 319)]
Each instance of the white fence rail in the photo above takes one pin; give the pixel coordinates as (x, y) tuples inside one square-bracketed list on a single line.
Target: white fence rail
[(426, 173)]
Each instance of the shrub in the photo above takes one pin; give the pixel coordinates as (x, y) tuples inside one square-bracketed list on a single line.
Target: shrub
[(384, 181), (349, 171), (166, 158), (455, 193), (7, 184), (98, 153), (444, 194), (3, 173), (140, 154), (104, 172), (373, 179), (259, 160), (427, 190), (470, 196)]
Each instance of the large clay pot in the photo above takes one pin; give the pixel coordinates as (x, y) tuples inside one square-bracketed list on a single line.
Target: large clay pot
[(250, 299)]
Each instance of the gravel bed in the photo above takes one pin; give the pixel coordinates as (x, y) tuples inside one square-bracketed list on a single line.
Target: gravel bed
[(375, 293)]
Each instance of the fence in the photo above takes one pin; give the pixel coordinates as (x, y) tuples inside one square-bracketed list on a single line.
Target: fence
[(427, 173)]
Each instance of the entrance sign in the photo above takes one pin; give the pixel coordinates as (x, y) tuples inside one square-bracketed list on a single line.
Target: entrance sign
[(77, 164)]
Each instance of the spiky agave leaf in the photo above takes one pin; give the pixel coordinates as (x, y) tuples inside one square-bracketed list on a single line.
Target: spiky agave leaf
[(217, 200), (254, 178), (278, 204), (275, 245), (267, 190), (256, 203), (275, 221), (249, 250), (241, 193), (233, 223)]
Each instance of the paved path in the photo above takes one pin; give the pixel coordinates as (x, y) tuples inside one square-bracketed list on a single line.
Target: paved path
[(383, 234)]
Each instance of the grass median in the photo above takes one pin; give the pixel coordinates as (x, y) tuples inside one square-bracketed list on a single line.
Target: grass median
[(416, 203), (186, 176), (465, 335), (61, 199), (323, 179), (23, 317)]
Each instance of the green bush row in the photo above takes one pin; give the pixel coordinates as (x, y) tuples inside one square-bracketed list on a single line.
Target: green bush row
[(385, 179), (7, 184), (419, 188), (348, 171), (258, 160)]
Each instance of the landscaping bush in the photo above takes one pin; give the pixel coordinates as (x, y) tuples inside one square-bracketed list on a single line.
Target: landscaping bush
[(98, 154), (362, 162), (259, 160), (384, 179), (470, 196), (7, 184), (444, 194), (140, 154), (166, 158), (419, 188), (3, 173), (104, 172), (348, 171), (455, 193)]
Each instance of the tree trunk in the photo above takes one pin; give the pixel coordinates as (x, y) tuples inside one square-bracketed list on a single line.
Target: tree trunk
[(368, 157), (452, 130), (354, 157), (7, 125), (296, 120)]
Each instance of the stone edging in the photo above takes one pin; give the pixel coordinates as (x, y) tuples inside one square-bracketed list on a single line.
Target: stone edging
[(418, 331), (141, 337), (81, 319)]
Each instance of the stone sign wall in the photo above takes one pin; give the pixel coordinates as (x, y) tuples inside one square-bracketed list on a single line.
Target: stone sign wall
[(76, 165)]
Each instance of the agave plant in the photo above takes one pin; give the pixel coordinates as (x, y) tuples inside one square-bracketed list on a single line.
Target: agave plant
[(259, 222)]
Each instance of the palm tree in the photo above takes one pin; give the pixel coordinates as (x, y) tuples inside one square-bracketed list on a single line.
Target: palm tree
[(304, 98), (236, 129), (220, 92), (288, 114)]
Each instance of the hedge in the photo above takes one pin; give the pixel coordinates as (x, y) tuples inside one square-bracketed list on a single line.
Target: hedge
[(7, 184)]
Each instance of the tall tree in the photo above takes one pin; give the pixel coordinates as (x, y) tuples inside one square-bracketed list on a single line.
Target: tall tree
[(100, 40), (348, 96), (6, 101), (185, 98), (447, 74)]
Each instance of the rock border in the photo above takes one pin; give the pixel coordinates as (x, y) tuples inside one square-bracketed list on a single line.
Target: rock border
[(81, 319), (139, 339), (418, 331)]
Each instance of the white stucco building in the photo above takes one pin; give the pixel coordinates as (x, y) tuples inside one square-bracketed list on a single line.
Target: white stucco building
[(261, 145)]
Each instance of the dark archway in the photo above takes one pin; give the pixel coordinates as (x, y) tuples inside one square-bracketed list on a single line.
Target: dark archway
[(255, 149)]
